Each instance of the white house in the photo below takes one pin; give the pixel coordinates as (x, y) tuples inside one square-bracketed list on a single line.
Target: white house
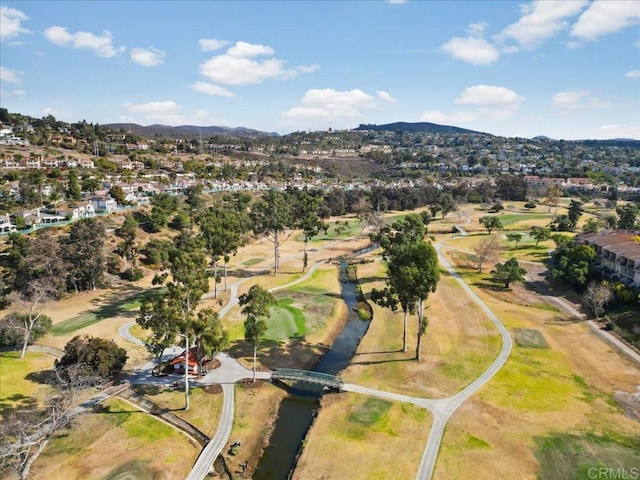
[(5, 224), (104, 203)]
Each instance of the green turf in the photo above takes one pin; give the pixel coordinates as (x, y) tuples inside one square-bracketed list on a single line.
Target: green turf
[(17, 390), (564, 456), (252, 261), (286, 321), (135, 469), (117, 308), (509, 219)]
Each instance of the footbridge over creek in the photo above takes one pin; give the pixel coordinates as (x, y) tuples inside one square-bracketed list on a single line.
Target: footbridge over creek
[(317, 378)]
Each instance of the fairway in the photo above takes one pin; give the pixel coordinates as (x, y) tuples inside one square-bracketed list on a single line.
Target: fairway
[(286, 321), (17, 389)]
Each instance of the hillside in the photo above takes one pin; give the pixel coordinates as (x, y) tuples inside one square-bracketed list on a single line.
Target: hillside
[(184, 131), (416, 127)]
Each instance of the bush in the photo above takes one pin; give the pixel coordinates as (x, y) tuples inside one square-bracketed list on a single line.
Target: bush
[(530, 205), (95, 356), (132, 274)]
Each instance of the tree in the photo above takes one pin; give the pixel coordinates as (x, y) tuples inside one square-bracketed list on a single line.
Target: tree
[(392, 238), (28, 320), (415, 264), (223, 232), (490, 223), (117, 193), (572, 264), (591, 226), (574, 213), (508, 272), (627, 215), (272, 216), (128, 248), (255, 306), (209, 335), (511, 187), (487, 251), (93, 356), (597, 295), (74, 192), (540, 234), (305, 213), (25, 434), (83, 252), (561, 240), (515, 238)]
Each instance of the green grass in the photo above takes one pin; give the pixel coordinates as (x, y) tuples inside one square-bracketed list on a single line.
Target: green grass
[(252, 261), (510, 219), (576, 456), (115, 309), (533, 380), (286, 321), (474, 442), (372, 415), (140, 425), (17, 391), (134, 469), (529, 338)]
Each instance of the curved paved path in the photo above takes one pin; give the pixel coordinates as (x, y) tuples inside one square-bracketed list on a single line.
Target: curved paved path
[(231, 372)]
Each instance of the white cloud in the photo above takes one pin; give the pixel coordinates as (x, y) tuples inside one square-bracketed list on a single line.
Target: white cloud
[(396, 2), (328, 107), (249, 50), (633, 74), (488, 95), (238, 66), (385, 97), (436, 116), (10, 76), (620, 131), (147, 57), (211, 44), (12, 93), (165, 112), (102, 45), (486, 102), (472, 49), (606, 16), (11, 23), (211, 89), (577, 100), (540, 21)]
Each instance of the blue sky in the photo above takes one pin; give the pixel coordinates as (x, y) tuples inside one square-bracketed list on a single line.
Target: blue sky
[(562, 69)]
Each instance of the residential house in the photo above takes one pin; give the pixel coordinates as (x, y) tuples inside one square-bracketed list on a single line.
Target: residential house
[(617, 254), (77, 212), (5, 224), (104, 203)]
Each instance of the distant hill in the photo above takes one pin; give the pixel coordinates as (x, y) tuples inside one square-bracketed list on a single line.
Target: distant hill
[(416, 127), (184, 131)]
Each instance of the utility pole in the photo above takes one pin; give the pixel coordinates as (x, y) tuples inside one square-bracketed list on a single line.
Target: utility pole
[(186, 372)]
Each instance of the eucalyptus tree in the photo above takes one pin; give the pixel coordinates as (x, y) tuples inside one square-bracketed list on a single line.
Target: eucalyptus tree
[(128, 249), (400, 288), (223, 231), (305, 214), (83, 253), (255, 307), (174, 311), (273, 217)]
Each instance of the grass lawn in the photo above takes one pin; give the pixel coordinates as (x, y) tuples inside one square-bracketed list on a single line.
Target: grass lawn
[(116, 308), (456, 348), (204, 411), (376, 439), (136, 444), (539, 415), (19, 387)]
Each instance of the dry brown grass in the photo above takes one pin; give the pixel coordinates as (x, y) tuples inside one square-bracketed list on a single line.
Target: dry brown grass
[(566, 388), (374, 438), (456, 347)]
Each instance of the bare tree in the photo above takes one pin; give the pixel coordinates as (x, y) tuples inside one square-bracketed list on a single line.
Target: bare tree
[(487, 251), (25, 435), (29, 305), (597, 295)]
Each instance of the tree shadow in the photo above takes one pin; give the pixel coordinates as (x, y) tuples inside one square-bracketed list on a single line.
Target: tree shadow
[(378, 352), (44, 377), (390, 360), (295, 352)]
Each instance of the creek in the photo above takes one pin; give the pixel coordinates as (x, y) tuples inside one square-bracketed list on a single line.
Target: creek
[(297, 411)]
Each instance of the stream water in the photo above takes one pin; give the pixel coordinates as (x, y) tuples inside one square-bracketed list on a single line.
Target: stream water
[(297, 410)]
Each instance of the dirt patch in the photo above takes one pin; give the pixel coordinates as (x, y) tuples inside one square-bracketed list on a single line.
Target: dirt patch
[(213, 389), (248, 383), (529, 338), (629, 403)]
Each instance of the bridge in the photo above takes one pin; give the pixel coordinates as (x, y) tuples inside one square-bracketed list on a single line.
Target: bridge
[(318, 378)]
